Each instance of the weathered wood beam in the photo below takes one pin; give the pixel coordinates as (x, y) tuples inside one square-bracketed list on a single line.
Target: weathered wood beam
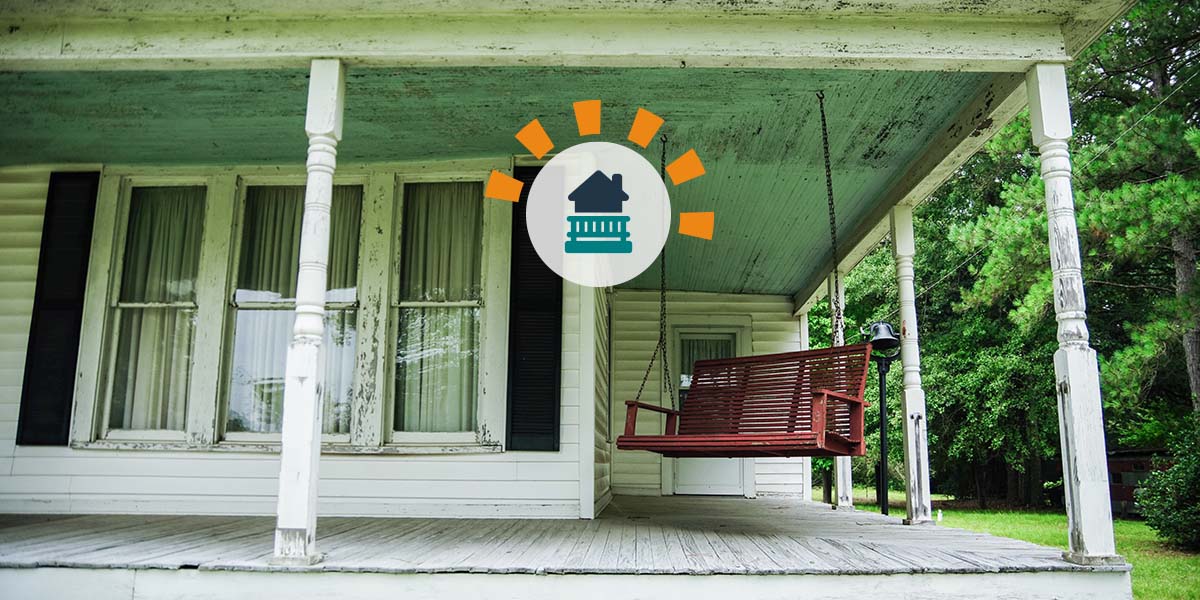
[(374, 350), (602, 39), (959, 139), (300, 454), (1076, 369), (241, 9)]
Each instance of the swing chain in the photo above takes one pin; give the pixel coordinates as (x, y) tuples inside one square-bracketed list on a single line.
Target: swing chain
[(660, 351), (837, 317)]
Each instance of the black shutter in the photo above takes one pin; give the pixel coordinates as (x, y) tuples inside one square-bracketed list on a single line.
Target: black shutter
[(534, 338), (49, 385)]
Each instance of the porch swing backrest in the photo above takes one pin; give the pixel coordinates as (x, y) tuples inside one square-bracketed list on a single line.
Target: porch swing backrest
[(773, 393)]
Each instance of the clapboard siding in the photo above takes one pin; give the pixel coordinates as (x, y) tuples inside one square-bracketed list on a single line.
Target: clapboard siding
[(635, 333), (22, 204), (603, 445), (57, 479), (779, 476)]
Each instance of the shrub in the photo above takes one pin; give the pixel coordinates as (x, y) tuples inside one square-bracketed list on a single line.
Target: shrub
[(1170, 497)]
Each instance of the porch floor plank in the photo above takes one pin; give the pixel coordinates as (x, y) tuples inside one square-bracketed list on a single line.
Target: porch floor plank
[(636, 535)]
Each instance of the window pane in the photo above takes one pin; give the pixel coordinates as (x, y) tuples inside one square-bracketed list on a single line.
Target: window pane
[(701, 347), (261, 339), (162, 244), (706, 347), (437, 359), (152, 362), (153, 368), (443, 234), (270, 250)]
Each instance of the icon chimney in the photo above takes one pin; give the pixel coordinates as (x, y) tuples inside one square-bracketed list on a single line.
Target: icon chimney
[(616, 179)]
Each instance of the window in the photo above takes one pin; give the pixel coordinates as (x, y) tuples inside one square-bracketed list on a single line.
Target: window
[(438, 307), (189, 308), (155, 308), (701, 346), (264, 301)]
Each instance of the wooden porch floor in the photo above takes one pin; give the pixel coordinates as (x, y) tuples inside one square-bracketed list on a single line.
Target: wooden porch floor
[(634, 535)]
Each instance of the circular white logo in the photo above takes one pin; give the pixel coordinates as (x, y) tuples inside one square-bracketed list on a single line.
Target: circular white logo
[(598, 214)]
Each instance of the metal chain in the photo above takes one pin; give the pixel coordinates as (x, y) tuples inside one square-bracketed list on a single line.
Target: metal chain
[(835, 299), (660, 351)]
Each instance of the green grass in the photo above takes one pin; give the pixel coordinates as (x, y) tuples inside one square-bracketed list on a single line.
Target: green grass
[(1159, 572)]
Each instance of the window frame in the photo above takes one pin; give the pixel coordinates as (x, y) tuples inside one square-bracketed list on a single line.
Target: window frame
[(492, 365), (232, 306), (114, 307)]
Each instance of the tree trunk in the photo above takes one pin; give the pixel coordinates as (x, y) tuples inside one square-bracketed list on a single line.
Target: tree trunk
[(1034, 492), (1185, 279), (1012, 485), (827, 486), (980, 488), (1033, 477)]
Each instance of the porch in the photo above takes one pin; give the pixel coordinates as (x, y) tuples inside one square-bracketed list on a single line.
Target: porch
[(104, 556)]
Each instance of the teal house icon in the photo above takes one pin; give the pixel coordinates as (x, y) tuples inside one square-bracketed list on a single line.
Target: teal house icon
[(598, 230)]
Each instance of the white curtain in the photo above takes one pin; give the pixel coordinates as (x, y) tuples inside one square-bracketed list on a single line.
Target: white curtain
[(692, 349), (154, 343), (267, 268), (708, 348), (437, 351)]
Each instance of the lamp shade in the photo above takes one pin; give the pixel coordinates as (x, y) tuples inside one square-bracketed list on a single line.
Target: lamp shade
[(882, 336)]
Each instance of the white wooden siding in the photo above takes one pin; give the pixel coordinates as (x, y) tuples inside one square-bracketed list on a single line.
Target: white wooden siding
[(22, 202), (603, 445), (635, 332), (779, 476), (65, 480)]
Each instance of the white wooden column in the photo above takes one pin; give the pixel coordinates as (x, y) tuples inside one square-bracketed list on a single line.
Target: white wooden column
[(916, 449), (841, 464), (295, 530), (806, 474), (586, 350), (1076, 372)]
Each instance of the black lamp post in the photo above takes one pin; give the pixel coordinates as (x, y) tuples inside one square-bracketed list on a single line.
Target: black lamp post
[(885, 347)]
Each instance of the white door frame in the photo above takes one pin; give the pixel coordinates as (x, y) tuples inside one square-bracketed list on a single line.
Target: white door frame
[(741, 326)]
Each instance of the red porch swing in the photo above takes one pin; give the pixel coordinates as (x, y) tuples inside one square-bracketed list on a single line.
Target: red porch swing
[(807, 403)]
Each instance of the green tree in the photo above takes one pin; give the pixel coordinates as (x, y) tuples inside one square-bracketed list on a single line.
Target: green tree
[(983, 277), (1138, 201)]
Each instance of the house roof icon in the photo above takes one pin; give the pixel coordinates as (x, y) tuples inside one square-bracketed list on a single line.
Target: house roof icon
[(599, 194)]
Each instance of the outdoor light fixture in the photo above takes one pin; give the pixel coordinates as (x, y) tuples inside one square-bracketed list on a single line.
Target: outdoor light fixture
[(885, 347)]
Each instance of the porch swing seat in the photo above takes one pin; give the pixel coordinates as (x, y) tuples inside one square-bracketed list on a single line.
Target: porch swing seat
[(807, 403)]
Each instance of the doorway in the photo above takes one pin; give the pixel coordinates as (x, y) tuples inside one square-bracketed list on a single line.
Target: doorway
[(705, 338)]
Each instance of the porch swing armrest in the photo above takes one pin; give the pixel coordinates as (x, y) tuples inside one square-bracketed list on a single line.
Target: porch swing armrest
[(841, 396), (631, 408), (856, 406), (651, 407)]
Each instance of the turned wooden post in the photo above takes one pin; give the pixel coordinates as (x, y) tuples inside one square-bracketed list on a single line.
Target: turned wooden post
[(1076, 371), (916, 449), (295, 530), (806, 483), (841, 464)]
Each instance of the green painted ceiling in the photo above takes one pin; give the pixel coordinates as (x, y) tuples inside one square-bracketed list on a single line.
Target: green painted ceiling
[(757, 132)]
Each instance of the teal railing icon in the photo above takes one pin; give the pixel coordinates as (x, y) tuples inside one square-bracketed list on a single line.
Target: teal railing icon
[(593, 234), (599, 230)]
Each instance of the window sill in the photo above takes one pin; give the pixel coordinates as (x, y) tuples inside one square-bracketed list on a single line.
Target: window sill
[(329, 449)]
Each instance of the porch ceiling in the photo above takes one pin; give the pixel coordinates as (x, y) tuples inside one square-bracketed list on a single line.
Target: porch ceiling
[(757, 132)]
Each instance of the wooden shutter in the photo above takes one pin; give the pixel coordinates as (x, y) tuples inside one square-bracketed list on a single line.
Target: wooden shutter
[(49, 385), (534, 339)]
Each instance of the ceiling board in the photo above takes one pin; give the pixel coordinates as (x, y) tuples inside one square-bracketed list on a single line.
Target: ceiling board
[(757, 132)]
